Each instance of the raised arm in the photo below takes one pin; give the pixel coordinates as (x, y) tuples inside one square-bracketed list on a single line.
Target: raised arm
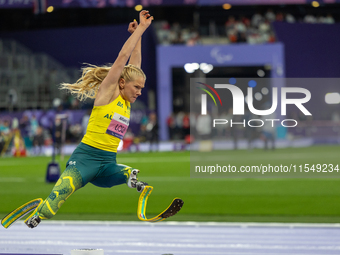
[(108, 89), (136, 55)]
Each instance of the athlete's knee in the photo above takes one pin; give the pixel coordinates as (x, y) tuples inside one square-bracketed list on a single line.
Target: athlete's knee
[(65, 187), (67, 184), (72, 174)]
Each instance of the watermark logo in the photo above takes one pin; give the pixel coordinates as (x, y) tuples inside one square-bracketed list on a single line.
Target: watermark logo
[(204, 97), (239, 101)]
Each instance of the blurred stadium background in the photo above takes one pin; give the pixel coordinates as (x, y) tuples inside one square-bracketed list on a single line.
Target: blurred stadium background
[(42, 47)]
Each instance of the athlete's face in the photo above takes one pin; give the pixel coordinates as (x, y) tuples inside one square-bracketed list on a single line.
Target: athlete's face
[(132, 89)]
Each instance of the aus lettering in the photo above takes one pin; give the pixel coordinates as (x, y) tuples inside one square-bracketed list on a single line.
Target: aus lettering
[(108, 116)]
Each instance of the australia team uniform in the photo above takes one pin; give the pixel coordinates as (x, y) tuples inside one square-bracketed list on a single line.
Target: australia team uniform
[(94, 159)]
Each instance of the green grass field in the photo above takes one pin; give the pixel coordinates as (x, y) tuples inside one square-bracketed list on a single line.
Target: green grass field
[(205, 199)]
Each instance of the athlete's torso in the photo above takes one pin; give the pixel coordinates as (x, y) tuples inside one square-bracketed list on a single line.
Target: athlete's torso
[(108, 124)]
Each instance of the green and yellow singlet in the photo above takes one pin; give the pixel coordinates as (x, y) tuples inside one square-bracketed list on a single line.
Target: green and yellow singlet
[(108, 125)]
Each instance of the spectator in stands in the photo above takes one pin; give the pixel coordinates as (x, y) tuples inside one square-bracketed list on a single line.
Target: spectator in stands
[(179, 125), (171, 123), (309, 18), (326, 19), (256, 19), (186, 125), (231, 30), (75, 132), (24, 125), (173, 37), (271, 37), (230, 25), (145, 119), (2, 142), (246, 21), (329, 19), (176, 27), (289, 18), (152, 131), (5, 133), (5, 128), (85, 121), (270, 15), (142, 135), (240, 27), (163, 32), (38, 141), (193, 39), (75, 104), (2, 136), (279, 16), (18, 147), (58, 135), (264, 27), (2, 126), (34, 125), (253, 30)]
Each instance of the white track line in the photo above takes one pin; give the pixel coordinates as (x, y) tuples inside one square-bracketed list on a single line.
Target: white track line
[(12, 179), (194, 224)]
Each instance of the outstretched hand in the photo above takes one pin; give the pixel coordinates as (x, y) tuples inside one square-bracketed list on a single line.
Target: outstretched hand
[(132, 26), (145, 18)]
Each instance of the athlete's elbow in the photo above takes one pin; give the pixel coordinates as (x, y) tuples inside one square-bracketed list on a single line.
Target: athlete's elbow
[(123, 55)]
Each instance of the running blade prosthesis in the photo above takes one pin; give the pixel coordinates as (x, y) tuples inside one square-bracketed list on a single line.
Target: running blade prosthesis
[(20, 212), (172, 209)]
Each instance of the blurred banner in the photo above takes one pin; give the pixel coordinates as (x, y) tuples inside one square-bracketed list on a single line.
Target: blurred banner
[(264, 2), (132, 3)]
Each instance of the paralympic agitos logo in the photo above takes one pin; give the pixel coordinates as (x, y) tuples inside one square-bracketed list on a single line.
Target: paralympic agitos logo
[(239, 104)]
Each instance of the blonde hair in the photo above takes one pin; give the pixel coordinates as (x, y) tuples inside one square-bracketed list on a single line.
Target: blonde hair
[(92, 76)]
